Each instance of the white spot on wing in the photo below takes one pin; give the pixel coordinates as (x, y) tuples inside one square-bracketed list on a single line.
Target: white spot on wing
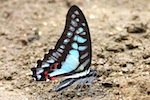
[(62, 46), (50, 61), (83, 33), (71, 28), (74, 23), (69, 34), (76, 12), (77, 19), (58, 53), (66, 41), (53, 58), (73, 16), (45, 65), (38, 77), (60, 50), (55, 55), (83, 24), (39, 71)]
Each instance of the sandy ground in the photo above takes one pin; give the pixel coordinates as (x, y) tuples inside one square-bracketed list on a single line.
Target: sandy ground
[(120, 32)]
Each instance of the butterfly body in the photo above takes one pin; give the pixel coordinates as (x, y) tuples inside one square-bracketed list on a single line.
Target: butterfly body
[(72, 54)]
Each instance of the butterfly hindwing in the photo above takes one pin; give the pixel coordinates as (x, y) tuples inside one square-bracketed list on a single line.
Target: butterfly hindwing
[(72, 53), (82, 80)]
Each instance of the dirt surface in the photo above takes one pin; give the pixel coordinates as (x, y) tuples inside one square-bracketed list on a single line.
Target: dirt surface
[(120, 32)]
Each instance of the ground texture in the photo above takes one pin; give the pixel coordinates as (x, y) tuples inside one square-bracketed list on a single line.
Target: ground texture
[(120, 32)]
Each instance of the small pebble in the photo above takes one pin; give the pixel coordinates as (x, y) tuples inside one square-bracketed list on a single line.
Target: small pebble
[(24, 42), (108, 85), (114, 48), (9, 78), (131, 46), (136, 28)]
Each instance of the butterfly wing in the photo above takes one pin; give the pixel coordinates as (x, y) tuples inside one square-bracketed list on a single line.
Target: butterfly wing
[(82, 80), (72, 53)]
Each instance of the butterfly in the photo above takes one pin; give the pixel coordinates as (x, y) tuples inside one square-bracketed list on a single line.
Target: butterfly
[(72, 55)]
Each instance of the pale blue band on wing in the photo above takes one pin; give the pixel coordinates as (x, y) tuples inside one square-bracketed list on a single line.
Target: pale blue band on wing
[(79, 39), (71, 63)]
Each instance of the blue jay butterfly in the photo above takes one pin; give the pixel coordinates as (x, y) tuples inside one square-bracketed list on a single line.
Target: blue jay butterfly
[(71, 57)]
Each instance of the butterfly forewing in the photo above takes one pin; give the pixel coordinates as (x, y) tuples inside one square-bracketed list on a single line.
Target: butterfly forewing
[(75, 42), (72, 53)]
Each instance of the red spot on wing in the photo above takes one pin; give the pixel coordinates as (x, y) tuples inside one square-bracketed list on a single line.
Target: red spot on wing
[(46, 74), (54, 66), (53, 78)]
